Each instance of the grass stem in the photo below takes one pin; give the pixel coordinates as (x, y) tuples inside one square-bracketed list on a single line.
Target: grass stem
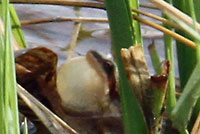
[(163, 20), (165, 30), (165, 7), (63, 19)]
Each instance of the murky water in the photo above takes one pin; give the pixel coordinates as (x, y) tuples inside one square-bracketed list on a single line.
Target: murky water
[(57, 35)]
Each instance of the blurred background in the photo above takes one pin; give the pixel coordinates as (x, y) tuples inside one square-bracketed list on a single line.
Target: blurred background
[(93, 35)]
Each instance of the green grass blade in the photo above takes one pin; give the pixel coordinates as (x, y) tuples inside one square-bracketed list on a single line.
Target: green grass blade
[(17, 31), (169, 51), (25, 129), (134, 4), (195, 13), (186, 55), (190, 31), (155, 58), (2, 113), (116, 12), (158, 100), (182, 112), (9, 109), (159, 96), (171, 98), (122, 37)]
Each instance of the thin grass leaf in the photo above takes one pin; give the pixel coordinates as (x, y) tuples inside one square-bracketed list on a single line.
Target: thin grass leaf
[(182, 112), (187, 57), (159, 90), (161, 19), (53, 123), (186, 28), (169, 52), (197, 41), (134, 4), (17, 29), (9, 116), (1, 85), (73, 42), (159, 93), (184, 53), (155, 58), (167, 31), (194, 12), (171, 98), (25, 129), (167, 8), (122, 37)]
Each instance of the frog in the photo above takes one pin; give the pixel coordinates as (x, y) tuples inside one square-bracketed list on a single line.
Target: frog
[(83, 91)]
